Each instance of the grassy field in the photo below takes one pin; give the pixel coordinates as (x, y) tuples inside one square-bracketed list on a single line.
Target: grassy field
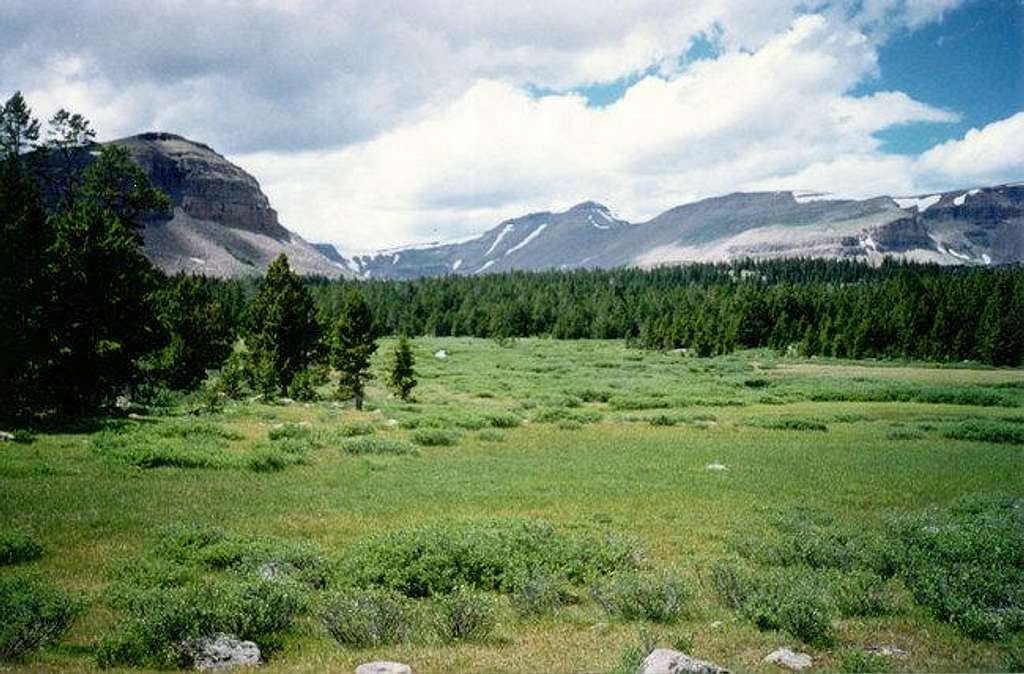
[(786, 473)]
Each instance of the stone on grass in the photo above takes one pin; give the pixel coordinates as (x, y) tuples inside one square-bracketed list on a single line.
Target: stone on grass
[(668, 661), (221, 651), (784, 657), (441, 354), (886, 650), (6, 436), (383, 667), (716, 467)]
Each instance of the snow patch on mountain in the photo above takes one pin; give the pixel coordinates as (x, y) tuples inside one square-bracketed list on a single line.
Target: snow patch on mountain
[(529, 237), (485, 266), (501, 235), (922, 204), (457, 264)]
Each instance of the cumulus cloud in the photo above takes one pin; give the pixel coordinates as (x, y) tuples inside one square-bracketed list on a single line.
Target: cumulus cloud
[(775, 117), (380, 122)]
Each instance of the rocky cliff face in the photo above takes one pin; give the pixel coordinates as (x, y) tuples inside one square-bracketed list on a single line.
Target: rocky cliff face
[(976, 226), (222, 224), (203, 184)]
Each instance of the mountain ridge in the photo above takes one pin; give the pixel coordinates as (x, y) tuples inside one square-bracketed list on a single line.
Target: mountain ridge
[(981, 225)]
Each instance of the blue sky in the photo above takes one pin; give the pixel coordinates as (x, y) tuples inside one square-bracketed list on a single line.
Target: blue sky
[(378, 123), (970, 62)]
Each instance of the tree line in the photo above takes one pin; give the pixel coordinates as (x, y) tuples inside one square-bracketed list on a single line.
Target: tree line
[(88, 318)]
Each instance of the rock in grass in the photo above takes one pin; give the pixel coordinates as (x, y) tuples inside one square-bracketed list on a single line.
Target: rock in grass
[(784, 657), (441, 355), (716, 467), (221, 651), (383, 667), (886, 650), (668, 661)]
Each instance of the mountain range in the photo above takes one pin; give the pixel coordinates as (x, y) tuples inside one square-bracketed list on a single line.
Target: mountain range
[(222, 224)]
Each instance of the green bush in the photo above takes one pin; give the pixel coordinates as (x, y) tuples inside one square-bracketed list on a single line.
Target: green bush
[(435, 437), (491, 435), (268, 459), (364, 618), (159, 621), (34, 613), (787, 424), (490, 555), (303, 386), (503, 420), (356, 429), (659, 598), (782, 599), (965, 564), (978, 430), (856, 660), (375, 445), (554, 415), (180, 444), (862, 593), (627, 403), (542, 594), (292, 432), (17, 547), (465, 615)]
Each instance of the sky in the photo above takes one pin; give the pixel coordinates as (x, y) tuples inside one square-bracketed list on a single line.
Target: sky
[(380, 123)]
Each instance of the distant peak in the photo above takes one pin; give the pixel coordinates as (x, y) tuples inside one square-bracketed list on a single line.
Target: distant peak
[(161, 135), (585, 206)]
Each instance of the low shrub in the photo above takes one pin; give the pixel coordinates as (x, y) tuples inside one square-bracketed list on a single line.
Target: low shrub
[(465, 615), (554, 415), (435, 437), (978, 430), (503, 420), (368, 444), (364, 618), (17, 547), (268, 459), (491, 435), (161, 620), (34, 613), (489, 555), (659, 598), (779, 599), (786, 424), (180, 444), (541, 594), (626, 403), (965, 564), (856, 660), (862, 593), (291, 431), (355, 429)]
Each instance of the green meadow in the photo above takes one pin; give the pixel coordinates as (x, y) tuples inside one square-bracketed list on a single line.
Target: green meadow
[(542, 505)]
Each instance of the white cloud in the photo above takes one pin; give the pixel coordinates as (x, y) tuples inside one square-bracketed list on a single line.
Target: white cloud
[(778, 116), (990, 155)]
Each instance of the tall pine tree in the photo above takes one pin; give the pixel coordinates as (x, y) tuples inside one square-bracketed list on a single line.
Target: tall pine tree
[(352, 347)]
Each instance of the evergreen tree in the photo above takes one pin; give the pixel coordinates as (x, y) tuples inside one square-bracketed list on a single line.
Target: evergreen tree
[(119, 185), (402, 378), (353, 346), (283, 331), (198, 334), (99, 318), (19, 130), (68, 134)]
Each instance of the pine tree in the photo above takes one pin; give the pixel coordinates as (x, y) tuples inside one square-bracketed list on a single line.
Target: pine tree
[(402, 378), (283, 331), (353, 346), (19, 130)]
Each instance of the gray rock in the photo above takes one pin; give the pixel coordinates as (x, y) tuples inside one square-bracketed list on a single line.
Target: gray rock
[(383, 667), (667, 661), (784, 657), (716, 467), (886, 650), (441, 355), (6, 436), (220, 651)]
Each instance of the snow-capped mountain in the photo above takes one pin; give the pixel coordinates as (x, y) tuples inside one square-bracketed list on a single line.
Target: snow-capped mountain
[(970, 226)]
